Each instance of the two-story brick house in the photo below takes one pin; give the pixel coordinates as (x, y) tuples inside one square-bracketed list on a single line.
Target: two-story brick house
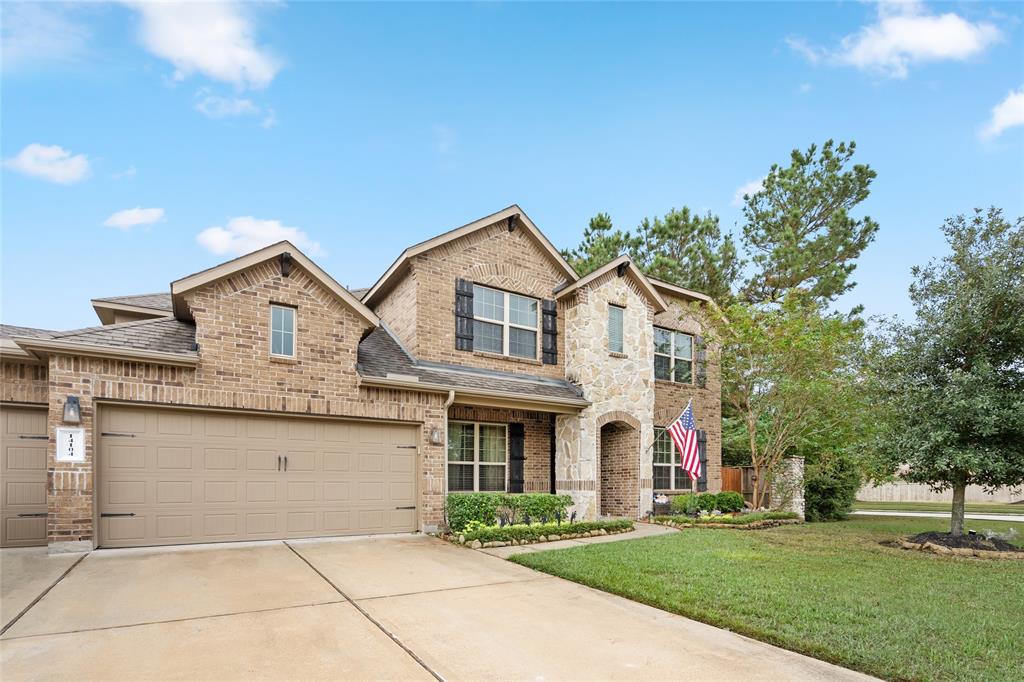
[(260, 399)]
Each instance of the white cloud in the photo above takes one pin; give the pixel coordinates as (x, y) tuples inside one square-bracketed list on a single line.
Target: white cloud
[(244, 234), (216, 106), (903, 34), (1007, 114), (33, 33), (216, 39), (132, 217), (51, 163), (752, 187)]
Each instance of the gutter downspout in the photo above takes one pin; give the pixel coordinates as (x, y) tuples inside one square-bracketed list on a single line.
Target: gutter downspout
[(447, 403)]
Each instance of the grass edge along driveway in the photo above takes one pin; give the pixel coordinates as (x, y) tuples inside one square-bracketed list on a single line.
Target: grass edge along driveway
[(827, 590)]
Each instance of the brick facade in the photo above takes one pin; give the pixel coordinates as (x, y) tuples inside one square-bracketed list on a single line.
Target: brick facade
[(24, 382), (491, 256), (620, 489), (537, 428)]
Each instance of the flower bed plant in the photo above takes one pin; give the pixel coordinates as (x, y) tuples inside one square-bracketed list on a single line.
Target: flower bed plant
[(476, 535), (751, 520)]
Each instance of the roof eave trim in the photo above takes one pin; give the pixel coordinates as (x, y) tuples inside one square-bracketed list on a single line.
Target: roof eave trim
[(460, 232), (578, 403), (40, 347), (679, 291), (126, 308), (645, 284), (185, 284)]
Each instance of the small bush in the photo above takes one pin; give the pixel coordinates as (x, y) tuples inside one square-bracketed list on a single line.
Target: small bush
[(830, 488), (704, 502), (729, 502), (486, 508), (538, 530)]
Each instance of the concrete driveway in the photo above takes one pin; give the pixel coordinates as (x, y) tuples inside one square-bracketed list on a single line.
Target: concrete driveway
[(399, 607)]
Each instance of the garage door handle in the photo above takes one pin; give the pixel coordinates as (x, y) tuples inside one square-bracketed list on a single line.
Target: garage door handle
[(279, 462), (405, 507), (34, 437), (108, 515), (32, 516), (286, 462)]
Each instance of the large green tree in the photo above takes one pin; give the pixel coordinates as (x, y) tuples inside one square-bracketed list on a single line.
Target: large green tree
[(798, 229), (682, 248), (951, 384)]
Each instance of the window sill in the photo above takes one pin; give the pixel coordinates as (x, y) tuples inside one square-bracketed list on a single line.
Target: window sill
[(613, 354), (511, 358), (283, 360), (669, 382)]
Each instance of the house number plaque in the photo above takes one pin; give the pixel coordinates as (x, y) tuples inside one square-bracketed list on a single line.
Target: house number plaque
[(70, 445)]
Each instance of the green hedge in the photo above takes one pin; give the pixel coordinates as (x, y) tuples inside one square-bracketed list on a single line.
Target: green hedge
[(830, 488), (539, 530), (738, 520), (487, 508), (725, 502)]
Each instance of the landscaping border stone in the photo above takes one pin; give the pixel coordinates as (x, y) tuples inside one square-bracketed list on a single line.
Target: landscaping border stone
[(958, 551), (753, 525), (476, 544)]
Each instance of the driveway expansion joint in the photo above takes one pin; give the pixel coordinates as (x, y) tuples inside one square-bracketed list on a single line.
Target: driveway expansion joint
[(393, 637), (42, 594), (456, 588)]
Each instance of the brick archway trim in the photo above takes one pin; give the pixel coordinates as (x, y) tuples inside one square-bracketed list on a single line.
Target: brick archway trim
[(618, 416)]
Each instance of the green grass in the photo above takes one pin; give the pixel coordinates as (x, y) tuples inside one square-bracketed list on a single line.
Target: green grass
[(975, 507), (829, 590)]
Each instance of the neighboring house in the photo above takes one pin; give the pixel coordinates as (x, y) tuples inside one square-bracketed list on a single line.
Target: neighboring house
[(260, 399)]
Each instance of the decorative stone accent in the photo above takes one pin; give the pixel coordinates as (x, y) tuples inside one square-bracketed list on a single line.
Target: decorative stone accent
[(787, 486)]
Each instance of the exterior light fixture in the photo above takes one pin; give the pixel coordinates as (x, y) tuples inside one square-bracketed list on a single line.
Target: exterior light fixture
[(72, 410), (435, 436)]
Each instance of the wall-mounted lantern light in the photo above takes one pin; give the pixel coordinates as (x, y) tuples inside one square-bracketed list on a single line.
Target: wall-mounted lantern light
[(435, 436), (72, 410)]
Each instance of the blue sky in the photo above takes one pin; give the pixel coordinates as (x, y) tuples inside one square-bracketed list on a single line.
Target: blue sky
[(144, 142)]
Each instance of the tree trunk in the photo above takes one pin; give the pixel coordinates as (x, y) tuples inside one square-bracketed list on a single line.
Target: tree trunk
[(956, 526)]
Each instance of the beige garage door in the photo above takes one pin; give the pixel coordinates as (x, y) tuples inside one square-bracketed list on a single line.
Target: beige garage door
[(23, 473), (171, 476)]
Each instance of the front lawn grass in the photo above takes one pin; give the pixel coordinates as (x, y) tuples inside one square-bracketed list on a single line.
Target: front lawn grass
[(969, 507), (829, 590)]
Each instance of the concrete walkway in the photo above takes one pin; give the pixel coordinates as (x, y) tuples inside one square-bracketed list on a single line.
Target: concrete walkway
[(399, 607), (941, 515)]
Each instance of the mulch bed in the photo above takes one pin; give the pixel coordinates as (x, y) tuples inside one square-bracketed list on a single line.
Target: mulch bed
[(963, 545)]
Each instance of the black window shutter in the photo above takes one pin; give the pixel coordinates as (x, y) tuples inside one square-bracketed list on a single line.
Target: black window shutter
[(516, 457), (702, 451), (701, 364), (550, 328), (463, 315)]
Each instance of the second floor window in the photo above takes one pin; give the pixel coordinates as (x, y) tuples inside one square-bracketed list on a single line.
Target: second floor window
[(673, 356), (615, 320), (504, 323), (282, 331)]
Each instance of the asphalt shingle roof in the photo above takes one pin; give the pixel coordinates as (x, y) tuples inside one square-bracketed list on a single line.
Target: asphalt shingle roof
[(380, 354), (162, 334), (9, 330), (159, 301)]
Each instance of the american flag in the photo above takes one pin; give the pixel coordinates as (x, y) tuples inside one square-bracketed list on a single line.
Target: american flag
[(684, 434)]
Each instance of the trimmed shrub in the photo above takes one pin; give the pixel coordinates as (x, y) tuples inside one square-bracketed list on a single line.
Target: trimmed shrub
[(688, 504), (737, 520), (541, 530), (487, 508), (830, 488), (729, 502)]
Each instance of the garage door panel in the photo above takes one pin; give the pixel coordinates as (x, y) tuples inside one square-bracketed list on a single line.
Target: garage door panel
[(23, 443), (124, 421), (208, 477)]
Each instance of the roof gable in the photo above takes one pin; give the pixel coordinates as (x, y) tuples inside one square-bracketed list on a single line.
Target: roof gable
[(289, 255), (625, 267), (516, 217)]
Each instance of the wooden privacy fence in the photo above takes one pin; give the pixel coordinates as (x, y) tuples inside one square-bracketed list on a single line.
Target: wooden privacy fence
[(741, 480)]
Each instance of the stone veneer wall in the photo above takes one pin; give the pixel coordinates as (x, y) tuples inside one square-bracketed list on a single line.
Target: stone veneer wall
[(670, 398), (787, 486), (537, 439), (23, 382), (620, 387)]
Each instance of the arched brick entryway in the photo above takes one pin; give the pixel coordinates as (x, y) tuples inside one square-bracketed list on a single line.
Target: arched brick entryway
[(619, 455)]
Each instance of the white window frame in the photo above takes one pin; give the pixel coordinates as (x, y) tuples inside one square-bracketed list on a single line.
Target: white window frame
[(476, 457), (506, 324), (672, 355), (293, 332), (675, 468)]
